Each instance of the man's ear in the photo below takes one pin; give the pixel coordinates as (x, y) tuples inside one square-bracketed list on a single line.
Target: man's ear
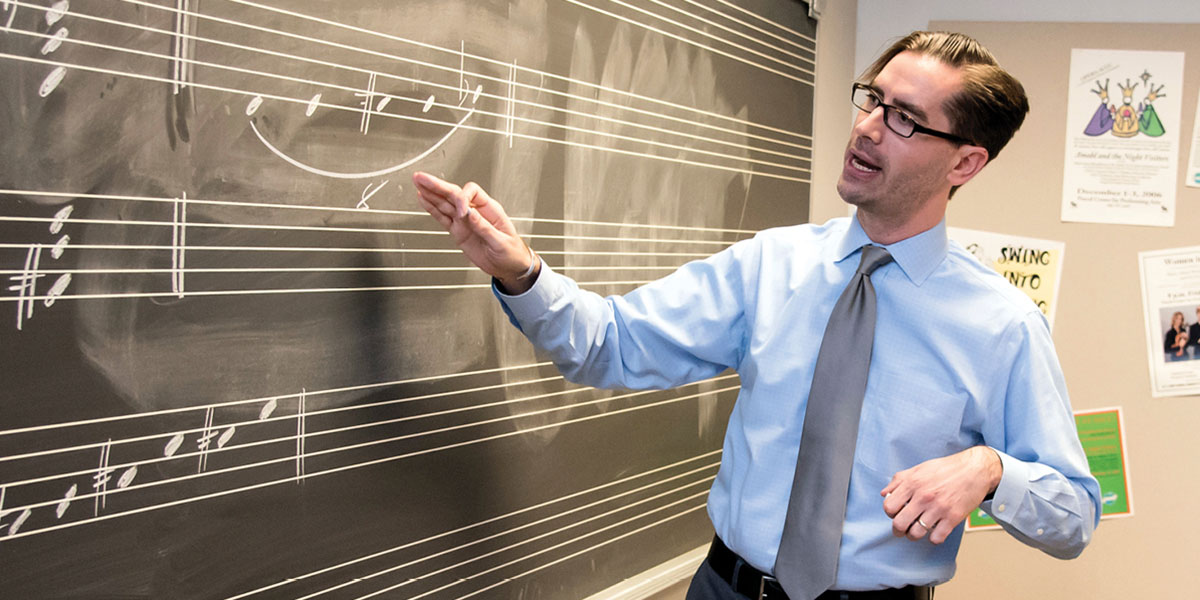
[(971, 160)]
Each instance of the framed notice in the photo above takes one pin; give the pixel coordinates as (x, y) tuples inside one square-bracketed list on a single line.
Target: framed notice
[(1123, 130), (1171, 299)]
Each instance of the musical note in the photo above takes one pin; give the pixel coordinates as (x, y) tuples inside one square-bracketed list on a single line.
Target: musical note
[(126, 478), (51, 81), (57, 290), (102, 477), (61, 508), (57, 11), (55, 41), (312, 105), (17, 522), (252, 106), (267, 409), (173, 445)]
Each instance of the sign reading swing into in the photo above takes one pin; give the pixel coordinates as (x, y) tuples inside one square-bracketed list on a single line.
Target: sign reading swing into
[(1123, 126)]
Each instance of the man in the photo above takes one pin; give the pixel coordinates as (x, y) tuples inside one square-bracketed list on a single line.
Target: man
[(965, 403)]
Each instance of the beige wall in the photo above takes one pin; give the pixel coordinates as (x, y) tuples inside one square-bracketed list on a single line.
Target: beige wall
[(1099, 330), (833, 114)]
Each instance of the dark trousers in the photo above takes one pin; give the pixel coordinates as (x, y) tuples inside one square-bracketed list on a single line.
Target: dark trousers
[(707, 585)]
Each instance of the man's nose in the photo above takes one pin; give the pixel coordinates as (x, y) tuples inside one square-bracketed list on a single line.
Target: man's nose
[(870, 124)]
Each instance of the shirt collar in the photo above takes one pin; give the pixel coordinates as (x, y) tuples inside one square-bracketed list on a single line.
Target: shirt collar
[(917, 256)]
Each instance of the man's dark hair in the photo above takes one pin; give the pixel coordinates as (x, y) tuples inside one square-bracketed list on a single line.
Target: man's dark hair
[(991, 105)]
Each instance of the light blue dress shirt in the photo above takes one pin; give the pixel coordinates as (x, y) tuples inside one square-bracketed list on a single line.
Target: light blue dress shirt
[(961, 358)]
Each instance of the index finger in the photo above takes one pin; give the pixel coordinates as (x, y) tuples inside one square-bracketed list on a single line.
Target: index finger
[(438, 190)]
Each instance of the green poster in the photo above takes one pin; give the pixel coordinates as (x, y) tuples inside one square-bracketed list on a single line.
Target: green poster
[(1100, 435)]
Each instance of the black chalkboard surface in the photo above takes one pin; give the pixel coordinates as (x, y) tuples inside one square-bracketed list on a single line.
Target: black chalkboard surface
[(239, 362)]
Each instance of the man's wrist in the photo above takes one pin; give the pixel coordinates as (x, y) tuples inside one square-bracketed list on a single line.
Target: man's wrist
[(521, 283)]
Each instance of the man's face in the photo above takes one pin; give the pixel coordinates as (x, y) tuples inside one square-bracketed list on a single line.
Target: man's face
[(890, 176)]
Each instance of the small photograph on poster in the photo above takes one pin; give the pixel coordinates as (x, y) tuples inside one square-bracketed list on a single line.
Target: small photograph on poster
[(1171, 300), (1123, 130), (1102, 435)]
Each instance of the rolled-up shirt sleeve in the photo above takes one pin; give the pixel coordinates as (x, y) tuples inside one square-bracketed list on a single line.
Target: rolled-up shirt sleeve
[(1047, 497)]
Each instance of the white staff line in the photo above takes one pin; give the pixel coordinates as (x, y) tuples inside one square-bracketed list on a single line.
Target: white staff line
[(287, 418), (810, 48), (545, 550), (541, 75), (498, 63), (425, 576), (279, 291), (536, 138), (507, 131), (495, 519), (333, 470), (378, 211), (364, 250), (302, 435), (372, 230), (251, 270), (590, 549), (768, 21), (740, 34), (728, 55), (336, 410), (357, 580), (718, 38), (259, 400)]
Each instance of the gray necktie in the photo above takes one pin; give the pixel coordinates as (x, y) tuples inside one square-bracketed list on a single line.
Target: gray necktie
[(812, 533)]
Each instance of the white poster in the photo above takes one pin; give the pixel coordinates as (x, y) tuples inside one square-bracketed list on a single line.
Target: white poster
[(1034, 266), (1123, 120), (1171, 298), (1193, 171)]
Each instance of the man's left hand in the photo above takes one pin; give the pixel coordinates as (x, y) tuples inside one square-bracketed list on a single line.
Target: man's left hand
[(932, 498)]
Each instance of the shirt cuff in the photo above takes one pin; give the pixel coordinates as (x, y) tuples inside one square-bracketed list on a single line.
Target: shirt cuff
[(1014, 483), (534, 302)]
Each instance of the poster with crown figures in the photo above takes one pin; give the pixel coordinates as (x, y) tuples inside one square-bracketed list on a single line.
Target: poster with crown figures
[(1123, 127)]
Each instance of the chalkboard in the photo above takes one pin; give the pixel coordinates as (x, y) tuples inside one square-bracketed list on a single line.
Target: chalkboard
[(239, 362)]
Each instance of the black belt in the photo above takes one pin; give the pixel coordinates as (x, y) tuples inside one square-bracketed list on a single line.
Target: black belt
[(752, 583)]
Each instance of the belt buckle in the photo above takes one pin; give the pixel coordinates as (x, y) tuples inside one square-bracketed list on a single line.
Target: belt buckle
[(762, 587)]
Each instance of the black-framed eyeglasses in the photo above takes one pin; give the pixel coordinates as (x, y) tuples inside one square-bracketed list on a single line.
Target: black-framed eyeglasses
[(897, 119)]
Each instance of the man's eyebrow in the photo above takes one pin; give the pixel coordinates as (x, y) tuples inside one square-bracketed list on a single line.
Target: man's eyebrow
[(907, 107)]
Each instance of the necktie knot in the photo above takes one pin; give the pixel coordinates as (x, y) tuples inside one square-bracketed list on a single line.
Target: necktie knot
[(873, 257)]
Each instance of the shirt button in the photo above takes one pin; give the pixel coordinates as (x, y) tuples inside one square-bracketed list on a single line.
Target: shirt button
[(1041, 531), (1000, 508)]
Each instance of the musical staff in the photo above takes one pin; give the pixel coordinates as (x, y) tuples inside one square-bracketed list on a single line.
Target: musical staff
[(261, 431), (604, 143)]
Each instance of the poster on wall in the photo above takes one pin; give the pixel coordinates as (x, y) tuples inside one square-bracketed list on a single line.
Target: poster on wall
[(1123, 130), (1171, 301), (1102, 435), (1192, 178), (1034, 266)]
